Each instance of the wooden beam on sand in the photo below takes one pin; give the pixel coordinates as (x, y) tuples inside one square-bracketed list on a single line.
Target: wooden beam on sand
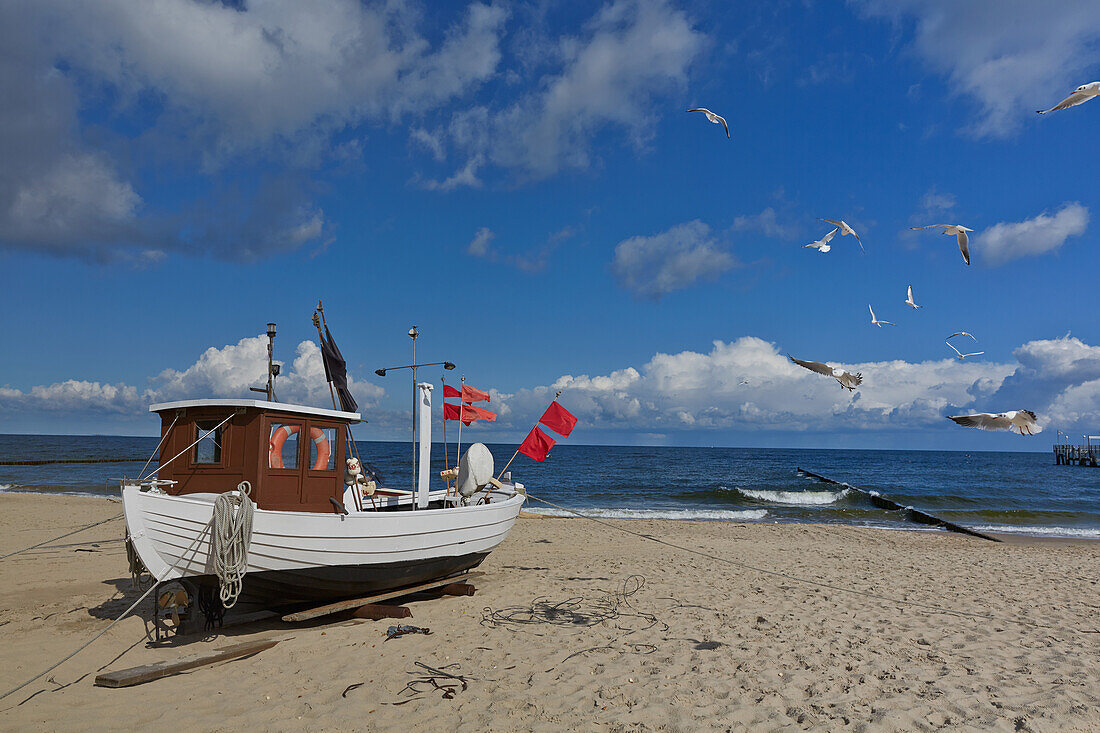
[(913, 515), (376, 611), (358, 602), (149, 672)]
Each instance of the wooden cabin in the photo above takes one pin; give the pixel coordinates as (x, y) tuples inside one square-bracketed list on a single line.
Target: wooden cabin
[(293, 456)]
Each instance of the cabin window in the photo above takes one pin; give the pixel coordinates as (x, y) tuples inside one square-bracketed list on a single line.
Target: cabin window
[(322, 449), (209, 449), (283, 446)]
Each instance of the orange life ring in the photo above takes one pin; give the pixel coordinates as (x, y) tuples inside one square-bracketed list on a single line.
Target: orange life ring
[(278, 438)]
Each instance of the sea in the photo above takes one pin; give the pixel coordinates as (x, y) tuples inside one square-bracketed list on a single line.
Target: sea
[(1001, 492)]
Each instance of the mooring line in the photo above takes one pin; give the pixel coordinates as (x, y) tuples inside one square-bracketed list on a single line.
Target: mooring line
[(807, 581), (94, 524)]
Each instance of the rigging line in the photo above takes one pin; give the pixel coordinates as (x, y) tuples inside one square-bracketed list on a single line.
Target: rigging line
[(152, 586), (85, 645), (818, 583), (208, 434), (94, 524), (161, 443)]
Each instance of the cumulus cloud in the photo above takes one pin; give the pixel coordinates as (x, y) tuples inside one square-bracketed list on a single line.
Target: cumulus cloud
[(651, 267), (691, 391), (703, 391), (1044, 233), (224, 372), (1011, 57), (629, 53)]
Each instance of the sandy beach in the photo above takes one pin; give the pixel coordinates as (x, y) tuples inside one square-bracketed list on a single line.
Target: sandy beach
[(629, 635)]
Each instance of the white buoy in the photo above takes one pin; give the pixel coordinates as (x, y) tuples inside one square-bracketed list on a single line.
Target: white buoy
[(474, 470)]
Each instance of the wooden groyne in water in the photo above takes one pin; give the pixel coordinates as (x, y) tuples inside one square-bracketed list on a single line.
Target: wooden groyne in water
[(1081, 455), (71, 460), (913, 515)]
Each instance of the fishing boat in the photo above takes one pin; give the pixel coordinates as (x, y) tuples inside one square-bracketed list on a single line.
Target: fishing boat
[(320, 529)]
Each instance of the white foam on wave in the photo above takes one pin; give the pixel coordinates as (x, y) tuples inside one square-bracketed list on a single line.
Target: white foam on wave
[(797, 498), (711, 514), (1044, 531), (5, 487)]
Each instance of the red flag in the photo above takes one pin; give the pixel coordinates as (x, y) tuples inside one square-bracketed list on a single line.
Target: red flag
[(472, 394), (449, 391), (558, 419), (466, 413), (536, 445)]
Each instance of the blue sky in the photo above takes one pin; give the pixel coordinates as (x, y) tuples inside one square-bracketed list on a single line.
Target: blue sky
[(522, 182)]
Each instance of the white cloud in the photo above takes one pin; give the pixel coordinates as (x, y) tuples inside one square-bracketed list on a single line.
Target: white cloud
[(224, 373), (703, 391), (479, 245), (693, 391), (1007, 241), (767, 222), (630, 53), (250, 76), (1010, 56), (651, 267), (272, 80)]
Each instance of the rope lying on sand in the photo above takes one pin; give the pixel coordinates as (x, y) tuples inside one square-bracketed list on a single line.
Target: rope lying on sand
[(46, 542), (818, 583)]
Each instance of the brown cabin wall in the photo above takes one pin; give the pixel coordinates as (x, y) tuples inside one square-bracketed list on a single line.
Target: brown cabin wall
[(245, 457)]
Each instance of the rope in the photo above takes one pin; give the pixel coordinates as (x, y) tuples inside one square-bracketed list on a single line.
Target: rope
[(231, 535), (161, 443), (83, 646), (203, 437), (44, 542), (807, 581)]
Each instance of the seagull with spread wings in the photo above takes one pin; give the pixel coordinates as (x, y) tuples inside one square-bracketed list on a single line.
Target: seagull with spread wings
[(960, 354), (716, 119), (960, 233), (1080, 95), (822, 245), (962, 333), (845, 230), (909, 299), (1023, 420), (877, 322), (846, 379)]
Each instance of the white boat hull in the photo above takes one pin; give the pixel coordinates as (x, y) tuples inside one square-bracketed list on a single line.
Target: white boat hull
[(309, 556)]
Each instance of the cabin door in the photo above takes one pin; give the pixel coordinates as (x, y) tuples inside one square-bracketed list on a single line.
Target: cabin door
[(323, 453), (302, 462)]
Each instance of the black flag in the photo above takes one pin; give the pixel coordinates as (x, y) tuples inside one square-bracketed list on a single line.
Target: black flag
[(336, 371)]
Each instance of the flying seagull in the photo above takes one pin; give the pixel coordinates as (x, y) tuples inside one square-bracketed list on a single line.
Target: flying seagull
[(846, 379), (822, 245), (962, 333), (1022, 420), (716, 119), (877, 322), (960, 234), (909, 300), (1080, 95), (845, 230), (962, 355)]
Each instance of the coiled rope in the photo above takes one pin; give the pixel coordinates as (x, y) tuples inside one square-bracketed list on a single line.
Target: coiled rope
[(230, 536)]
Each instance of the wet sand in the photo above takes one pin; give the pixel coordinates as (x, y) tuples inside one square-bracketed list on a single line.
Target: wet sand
[(628, 635)]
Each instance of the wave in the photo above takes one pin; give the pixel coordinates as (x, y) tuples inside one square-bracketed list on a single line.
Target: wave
[(797, 498), (609, 513), (1093, 533), (5, 487)]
